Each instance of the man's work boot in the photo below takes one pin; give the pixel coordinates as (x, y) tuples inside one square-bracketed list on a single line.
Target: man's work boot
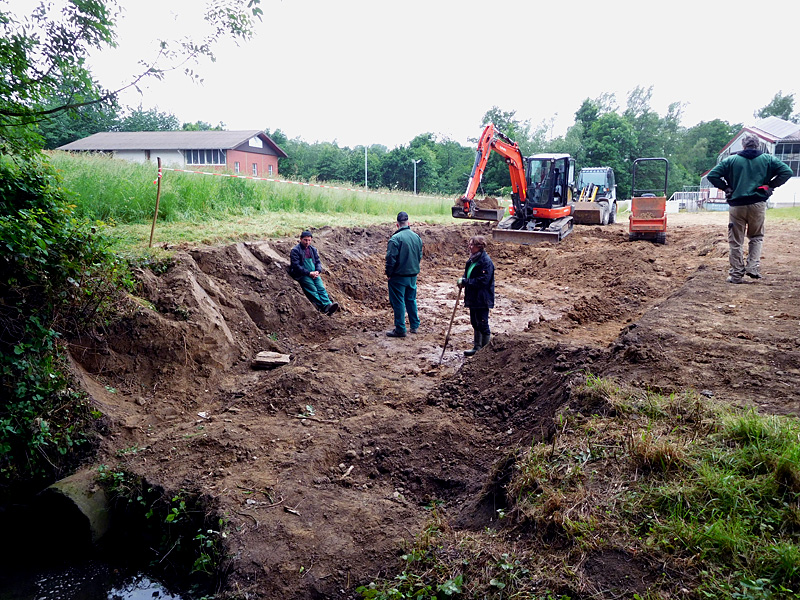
[(485, 339), (395, 333), (732, 279), (414, 330), (754, 275), (332, 308)]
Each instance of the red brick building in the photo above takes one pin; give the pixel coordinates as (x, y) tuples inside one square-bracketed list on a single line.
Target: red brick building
[(250, 152)]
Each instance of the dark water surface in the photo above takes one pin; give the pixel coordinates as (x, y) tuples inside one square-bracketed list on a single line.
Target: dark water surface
[(85, 580)]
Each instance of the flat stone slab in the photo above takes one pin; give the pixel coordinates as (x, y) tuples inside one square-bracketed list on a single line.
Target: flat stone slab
[(269, 360)]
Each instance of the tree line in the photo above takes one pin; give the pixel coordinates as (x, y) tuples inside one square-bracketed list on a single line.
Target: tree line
[(603, 134)]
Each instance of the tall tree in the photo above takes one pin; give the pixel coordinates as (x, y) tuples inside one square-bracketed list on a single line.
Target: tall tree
[(331, 162), (151, 119), (203, 126), (611, 142), (780, 106), (73, 124), (46, 51), (587, 113), (701, 144)]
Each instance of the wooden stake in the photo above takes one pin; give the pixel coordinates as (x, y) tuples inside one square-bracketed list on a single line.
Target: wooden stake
[(158, 199)]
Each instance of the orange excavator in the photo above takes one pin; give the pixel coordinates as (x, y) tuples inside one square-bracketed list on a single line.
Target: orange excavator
[(542, 188)]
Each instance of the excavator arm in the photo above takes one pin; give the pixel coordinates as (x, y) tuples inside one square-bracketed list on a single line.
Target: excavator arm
[(492, 140)]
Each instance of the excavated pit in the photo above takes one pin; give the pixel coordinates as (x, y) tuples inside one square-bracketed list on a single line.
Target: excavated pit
[(326, 464)]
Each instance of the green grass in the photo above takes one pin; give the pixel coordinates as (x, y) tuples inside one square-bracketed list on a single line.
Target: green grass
[(789, 213), (208, 209)]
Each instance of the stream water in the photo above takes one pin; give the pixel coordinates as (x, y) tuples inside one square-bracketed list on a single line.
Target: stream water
[(84, 580)]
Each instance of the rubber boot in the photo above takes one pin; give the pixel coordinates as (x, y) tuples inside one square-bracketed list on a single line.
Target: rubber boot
[(476, 344), (485, 339)]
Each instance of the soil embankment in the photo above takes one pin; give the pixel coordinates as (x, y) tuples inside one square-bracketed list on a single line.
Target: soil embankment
[(324, 466)]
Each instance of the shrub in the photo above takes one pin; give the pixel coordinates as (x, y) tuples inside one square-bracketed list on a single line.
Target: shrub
[(57, 275)]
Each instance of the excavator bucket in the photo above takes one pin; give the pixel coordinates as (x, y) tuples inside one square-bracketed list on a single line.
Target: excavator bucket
[(487, 209), (479, 214), (588, 213)]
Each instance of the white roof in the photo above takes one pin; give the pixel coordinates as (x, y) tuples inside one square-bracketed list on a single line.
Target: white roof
[(167, 140), (775, 128)]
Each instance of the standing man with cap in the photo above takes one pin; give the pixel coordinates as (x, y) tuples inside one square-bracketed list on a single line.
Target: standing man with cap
[(747, 178), (403, 255), (305, 268)]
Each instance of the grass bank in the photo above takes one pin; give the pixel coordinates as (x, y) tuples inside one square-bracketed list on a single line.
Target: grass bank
[(211, 209), (638, 495)]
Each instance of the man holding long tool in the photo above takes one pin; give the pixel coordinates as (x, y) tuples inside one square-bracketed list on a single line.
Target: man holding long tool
[(478, 286)]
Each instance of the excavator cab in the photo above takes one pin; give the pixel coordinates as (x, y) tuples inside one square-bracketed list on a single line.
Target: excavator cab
[(547, 176), (546, 213)]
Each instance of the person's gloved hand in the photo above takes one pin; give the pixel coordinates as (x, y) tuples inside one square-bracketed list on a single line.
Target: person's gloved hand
[(766, 189), (460, 282)]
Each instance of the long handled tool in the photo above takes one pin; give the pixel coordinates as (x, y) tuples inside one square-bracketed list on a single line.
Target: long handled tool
[(449, 327)]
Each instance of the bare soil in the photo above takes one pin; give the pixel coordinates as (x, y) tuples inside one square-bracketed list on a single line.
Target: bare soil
[(324, 467)]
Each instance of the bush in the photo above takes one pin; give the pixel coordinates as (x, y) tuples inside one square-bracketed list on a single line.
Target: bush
[(57, 275)]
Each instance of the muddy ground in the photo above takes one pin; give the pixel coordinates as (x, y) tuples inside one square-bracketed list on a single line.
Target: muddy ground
[(324, 467)]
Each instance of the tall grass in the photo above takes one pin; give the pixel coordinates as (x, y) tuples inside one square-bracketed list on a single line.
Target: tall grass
[(112, 190)]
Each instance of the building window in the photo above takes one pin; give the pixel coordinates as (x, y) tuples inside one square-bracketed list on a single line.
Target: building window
[(236, 168), (790, 154), (255, 170), (205, 157), (270, 169)]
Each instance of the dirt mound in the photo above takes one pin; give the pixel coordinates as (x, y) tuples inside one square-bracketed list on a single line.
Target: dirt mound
[(324, 466)]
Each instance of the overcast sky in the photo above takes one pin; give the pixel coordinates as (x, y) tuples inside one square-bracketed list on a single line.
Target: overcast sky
[(381, 72)]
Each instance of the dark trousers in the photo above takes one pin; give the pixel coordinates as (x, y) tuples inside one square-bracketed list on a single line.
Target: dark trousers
[(403, 297), (479, 318)]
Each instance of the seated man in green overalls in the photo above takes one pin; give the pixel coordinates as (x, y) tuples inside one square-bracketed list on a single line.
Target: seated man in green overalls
[(305, 268)]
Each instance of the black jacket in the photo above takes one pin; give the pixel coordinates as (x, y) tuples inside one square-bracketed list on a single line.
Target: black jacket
[(479, 285), (297, 258)]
